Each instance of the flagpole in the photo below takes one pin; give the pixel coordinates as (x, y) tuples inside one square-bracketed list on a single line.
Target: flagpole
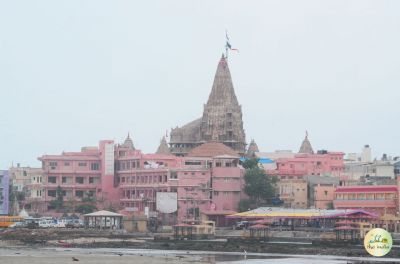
[(226, 44)]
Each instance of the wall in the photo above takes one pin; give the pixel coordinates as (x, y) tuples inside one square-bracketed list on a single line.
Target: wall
[(4, 185)]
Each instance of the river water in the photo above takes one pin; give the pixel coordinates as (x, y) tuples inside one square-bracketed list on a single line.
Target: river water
[(22, 255)]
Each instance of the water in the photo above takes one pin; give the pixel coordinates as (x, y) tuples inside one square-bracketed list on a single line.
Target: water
[(147, 256)]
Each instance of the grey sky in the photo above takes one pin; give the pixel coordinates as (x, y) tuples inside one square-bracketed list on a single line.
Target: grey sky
[(75, 72)]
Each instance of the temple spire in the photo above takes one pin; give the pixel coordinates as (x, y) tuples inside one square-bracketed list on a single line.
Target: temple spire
[(306, 146), (253, 148), (222, 91), (163, 147), (128, 143)]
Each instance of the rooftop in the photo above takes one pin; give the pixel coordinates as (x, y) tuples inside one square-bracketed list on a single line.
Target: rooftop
[(213, 149), (367, 188)]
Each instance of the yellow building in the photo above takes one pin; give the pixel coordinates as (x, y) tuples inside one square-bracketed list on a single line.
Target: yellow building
[(293, 192)]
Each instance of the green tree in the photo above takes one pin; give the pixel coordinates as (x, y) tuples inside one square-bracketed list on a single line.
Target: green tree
[(250, 163), (88, 204), (330, 206), (85, 208), (58, 203), (245, 205), (258, 185)]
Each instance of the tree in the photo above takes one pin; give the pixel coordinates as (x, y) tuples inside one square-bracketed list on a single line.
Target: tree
[(245, 205), (330, 206), (250, 163), (88, 204), (85, 208), (58, 204), (258, 185)]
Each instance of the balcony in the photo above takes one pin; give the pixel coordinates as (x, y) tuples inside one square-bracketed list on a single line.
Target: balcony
[(364, 203)]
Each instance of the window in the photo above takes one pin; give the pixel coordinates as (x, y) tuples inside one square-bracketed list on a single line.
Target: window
[(82, 164), (94, 166), (91, 180), (79, 193), (52, 179), (79, 180), (173, 175), (53, 164), (66, 163), (218, 164), (326, 193), (51, 193), (64, 179)]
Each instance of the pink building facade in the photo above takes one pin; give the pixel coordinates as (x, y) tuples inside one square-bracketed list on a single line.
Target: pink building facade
[(324, 195), (323, 164), (381, 199), (122, 177)]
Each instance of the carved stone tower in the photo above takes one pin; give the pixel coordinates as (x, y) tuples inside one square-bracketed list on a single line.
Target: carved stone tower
[(221, 120), (222, 115)]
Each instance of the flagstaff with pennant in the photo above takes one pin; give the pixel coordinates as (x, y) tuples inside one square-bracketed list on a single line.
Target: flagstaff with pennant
[(228, 45)]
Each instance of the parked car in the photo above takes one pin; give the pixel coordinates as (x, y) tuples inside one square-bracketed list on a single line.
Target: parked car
[(32, 223), (242, 225), (60, 223), (46, 223), (74, 223), (21, 224)]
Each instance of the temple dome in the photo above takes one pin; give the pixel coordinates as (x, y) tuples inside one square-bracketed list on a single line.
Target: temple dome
[(212, 149)]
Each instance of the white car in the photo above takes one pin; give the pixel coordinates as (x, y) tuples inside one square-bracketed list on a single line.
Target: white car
[(60, 223), (46, 223)]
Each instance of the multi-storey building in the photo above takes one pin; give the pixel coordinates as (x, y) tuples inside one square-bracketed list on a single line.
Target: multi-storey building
[(209, 179), (288, 165), (79, 174), (293, 193), (381, 199), (20, 177), (321, 191), (4, 183)]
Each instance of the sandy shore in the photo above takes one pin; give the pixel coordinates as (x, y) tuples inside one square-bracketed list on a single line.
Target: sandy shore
[(54, 256), (22, 255)]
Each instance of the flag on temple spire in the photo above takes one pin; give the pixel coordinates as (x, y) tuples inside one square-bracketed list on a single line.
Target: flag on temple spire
[(228, 45)]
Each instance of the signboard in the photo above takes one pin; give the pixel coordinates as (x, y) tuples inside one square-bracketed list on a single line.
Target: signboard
[(131, 209), (167, 202)]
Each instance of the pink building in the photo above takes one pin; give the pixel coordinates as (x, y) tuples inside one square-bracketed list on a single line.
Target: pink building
[(209, 181), (86, 173), (306, 162), (324, 195), (323, 163), (381, 199)]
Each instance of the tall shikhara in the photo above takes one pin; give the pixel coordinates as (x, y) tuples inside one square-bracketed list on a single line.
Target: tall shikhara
[(221, 120)]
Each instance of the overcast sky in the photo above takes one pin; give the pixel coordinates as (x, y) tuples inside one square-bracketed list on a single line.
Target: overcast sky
[(75, 72)]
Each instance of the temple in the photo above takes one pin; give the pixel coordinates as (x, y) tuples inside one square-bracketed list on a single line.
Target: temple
[(221, 121)]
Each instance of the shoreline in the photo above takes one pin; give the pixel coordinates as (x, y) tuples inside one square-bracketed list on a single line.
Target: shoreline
[(81, 239), (122, 255)]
